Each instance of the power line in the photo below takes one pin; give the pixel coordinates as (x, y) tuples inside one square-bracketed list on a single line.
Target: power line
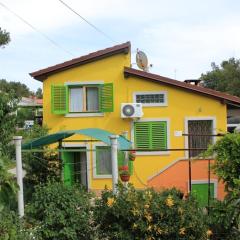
[(35, 29), (89, 23)]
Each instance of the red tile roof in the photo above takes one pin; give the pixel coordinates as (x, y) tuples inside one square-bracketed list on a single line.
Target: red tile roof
[(186, 86), (44, 73)]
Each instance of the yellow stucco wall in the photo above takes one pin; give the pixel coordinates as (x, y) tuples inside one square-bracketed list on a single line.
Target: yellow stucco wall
[(181, 105)]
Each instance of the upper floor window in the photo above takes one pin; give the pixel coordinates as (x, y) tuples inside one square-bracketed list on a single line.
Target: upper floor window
[(82, 98), (151, 98)]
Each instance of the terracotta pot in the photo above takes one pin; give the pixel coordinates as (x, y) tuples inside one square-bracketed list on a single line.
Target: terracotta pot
[(124, 177)]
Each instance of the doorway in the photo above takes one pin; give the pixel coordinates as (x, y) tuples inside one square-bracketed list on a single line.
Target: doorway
[(75, 169)]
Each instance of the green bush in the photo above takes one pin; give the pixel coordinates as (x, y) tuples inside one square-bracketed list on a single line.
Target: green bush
[(227, 164), (147, 214), (10, 227), (60, 212), (222, 220)]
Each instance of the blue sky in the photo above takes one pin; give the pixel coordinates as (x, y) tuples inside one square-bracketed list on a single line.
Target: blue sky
[(180, 37)]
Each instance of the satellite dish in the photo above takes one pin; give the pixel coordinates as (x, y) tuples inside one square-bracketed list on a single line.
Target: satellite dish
[(142, 61)]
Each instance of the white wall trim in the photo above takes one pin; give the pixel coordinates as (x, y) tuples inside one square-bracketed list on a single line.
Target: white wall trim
[(152, 120), (84, 114), (152, 104), (213, 118), (84, 83), (94, 164), (87, 146), (214, 181)]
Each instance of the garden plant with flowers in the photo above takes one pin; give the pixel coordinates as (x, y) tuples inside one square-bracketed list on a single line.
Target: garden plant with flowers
[(147, 214)]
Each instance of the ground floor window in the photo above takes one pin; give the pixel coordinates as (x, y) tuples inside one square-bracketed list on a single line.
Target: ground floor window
[(103, 160), (150, 135), (199, 127)]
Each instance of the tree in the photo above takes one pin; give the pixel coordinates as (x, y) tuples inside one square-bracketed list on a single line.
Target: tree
[(39, 93), (8, 105), (224, 78), (19, 89), (4, 38)]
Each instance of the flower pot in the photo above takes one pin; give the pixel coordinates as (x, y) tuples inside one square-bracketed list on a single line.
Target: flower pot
[(125, 177), (132, 155)]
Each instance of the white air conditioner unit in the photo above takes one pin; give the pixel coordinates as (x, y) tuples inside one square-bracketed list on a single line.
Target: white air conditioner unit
[(131, 110)]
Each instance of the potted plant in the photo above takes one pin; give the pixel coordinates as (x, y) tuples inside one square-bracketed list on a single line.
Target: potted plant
[(132, 155), (124, 175)]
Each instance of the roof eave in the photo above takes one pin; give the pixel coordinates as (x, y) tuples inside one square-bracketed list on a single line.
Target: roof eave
[(41, 75), (131, 72)]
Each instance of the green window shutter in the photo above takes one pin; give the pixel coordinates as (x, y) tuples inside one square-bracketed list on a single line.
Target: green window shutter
[(142, 134), (159, 135), (59, 95), (150, 135), (106, 97)]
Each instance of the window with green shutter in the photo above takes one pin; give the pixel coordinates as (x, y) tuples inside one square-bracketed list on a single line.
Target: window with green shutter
[(59, 95), (106, 97), (82, 98), (150, 135)]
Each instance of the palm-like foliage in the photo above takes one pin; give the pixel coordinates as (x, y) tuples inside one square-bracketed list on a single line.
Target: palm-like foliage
[(8, 185)]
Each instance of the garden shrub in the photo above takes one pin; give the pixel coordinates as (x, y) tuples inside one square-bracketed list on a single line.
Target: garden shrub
[(146, 214), (223, 220), (60, 212), (10, 227), (225, 216)]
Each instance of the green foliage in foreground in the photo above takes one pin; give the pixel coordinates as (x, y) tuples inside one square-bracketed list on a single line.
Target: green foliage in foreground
[(227, 164), (148, 214), (60, 212), (224, 219), (10, 227)]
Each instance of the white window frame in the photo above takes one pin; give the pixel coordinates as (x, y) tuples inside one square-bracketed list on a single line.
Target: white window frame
[(165, 104), (84, 114), (146, 153), (94, 157), (87, 146), (214, 181), (187, 119)]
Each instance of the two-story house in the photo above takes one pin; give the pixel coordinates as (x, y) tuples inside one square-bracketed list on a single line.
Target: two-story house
[(87, 92)]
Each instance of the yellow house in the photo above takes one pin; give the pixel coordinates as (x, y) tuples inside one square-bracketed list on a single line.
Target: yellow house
[(88, 92)]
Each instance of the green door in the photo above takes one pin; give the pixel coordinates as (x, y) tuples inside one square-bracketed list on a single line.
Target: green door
[(200, 191), (68, 168)]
